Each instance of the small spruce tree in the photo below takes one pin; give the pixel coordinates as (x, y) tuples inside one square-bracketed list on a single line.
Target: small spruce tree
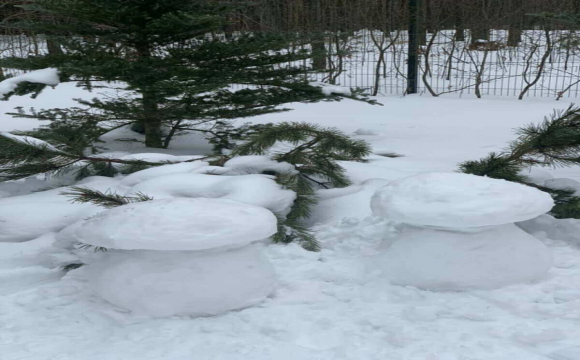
[(170, 62)]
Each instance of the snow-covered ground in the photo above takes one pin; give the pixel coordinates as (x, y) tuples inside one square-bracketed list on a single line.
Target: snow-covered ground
[(331, 305)]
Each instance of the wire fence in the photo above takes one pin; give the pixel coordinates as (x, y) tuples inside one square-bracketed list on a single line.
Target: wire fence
[(543, 64)]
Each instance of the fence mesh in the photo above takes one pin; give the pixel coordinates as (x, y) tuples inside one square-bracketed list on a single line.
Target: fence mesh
[(543, 64)]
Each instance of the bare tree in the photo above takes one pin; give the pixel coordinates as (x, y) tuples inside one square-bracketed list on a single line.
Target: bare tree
[(540, 69)]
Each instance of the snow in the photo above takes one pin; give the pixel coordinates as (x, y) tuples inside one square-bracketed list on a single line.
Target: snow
[(572, 353), (155, 157), (329, 305), (29, 140), (29, 216), (537, 175), (547, 227), (258, 164), (180, 149), (175, 224), (253, 189), (165, 283), (445, 260), (47, 76), (454, 200), (328, 89), (563, 184), (26, 221), (349, 202), (147, 174), (365, 132)]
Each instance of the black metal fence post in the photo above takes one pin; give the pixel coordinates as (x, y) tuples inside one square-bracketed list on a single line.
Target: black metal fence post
[(413, 51)]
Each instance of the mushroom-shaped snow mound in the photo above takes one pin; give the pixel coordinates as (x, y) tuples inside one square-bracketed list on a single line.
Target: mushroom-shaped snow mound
[(176, 224), (445, 260), (453, 200), (165, 283)]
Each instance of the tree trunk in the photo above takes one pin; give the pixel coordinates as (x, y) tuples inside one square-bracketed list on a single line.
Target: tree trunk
[(459, 34), (318, 55), (53, 47), (516, 23), (514, 36), (151, 121), (479, 34), (459, 28)]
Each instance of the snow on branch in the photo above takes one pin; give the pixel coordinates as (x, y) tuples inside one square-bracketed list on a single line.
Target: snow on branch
[(48, 76), (29, 140)]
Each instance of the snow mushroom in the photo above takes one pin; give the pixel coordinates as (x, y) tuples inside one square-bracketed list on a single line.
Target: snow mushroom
[(457, 232), (179, 256)]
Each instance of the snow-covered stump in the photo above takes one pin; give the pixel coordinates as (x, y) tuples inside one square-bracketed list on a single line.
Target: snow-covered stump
[(179, 256), (458, 232)]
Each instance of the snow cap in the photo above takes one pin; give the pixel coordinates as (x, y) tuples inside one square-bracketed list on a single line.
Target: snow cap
[(454, 200), (176, 224)]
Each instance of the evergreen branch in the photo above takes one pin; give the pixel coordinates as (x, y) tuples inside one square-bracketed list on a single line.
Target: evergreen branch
[(70, 267), (290, 231), (553, 142), (314, 154), (24, 156), (107, 199), (320, 183), (84, 246)]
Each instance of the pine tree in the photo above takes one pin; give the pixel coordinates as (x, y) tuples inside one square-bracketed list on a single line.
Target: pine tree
[(554, 142), (171, 61)]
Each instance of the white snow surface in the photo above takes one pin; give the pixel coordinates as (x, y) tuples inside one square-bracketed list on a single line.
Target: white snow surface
[(563, 184), (29, 140), (259, 163), (26, 217), (572, 353), (328, 89), (144, 175), (175, 224), (446, 260), (350, 202), (47, 76), (29, 216), (536, 175), (327, 305), (253, 189), (454, 200), (155, 157), (166, 283)]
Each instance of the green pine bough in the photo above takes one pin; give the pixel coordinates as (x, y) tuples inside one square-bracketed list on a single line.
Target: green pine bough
[(314, 152), (552, 143), (56, 152)]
